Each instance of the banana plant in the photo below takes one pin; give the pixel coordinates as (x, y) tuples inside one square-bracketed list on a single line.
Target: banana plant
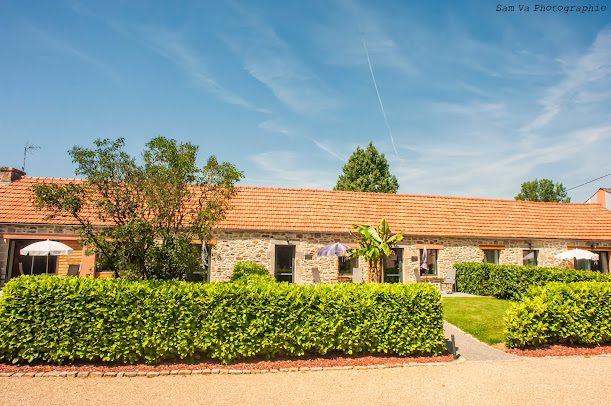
[(374, 245)]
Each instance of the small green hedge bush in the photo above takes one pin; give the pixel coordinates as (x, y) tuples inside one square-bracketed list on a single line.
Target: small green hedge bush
[(513, 281), (247, 269), (58, 320), (560, 313)]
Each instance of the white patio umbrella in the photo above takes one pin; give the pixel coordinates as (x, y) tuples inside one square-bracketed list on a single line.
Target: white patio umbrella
[(577, 254), (334, 250), (45, 249)]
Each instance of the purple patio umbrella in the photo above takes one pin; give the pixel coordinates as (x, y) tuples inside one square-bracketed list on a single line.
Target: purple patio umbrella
[(334, 250)]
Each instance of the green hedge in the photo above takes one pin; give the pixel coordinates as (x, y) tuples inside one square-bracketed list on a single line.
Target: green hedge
[(513, 281), (560, 313), (58, 320)]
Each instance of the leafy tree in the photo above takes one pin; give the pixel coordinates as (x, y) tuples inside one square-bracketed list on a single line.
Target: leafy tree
[(153, 210), (543, 190), (248, 270), (374, 245), (367, 171)]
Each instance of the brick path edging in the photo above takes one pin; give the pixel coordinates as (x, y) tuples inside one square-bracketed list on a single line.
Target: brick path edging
[(184, 372)]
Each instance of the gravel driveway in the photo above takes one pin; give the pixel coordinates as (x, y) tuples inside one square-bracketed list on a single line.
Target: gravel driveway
[(538, 381)]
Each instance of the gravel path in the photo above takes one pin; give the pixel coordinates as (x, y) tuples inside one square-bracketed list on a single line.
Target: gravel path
[(540, 381), (470, 348)]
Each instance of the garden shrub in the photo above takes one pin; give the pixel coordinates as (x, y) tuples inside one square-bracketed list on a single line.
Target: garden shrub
[(57, 320), (561, 313), (246, 269), (513, 281)]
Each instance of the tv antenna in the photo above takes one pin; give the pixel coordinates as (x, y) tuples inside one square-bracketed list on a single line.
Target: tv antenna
[(27, 149)]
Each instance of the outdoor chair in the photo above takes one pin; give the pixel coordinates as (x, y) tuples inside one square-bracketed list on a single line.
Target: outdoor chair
[(20, 266), (417, 276), (74, 270), (451, 280), (357, 276), (315, 275)]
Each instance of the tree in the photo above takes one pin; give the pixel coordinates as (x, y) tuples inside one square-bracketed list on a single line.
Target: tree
[(374, 245), (367, 171), (151, 211), (543, 190)]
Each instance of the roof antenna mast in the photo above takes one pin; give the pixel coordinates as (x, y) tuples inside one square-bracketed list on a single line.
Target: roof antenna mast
[(27, 149)]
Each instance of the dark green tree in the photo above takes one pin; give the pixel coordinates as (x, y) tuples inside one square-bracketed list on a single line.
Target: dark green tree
[(152, 210), (367, 171), (543, 190)]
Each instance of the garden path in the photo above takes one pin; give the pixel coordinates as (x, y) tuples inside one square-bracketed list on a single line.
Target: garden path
[(471, 349)]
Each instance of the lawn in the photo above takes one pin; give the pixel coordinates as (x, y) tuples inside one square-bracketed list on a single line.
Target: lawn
[(482, 317)]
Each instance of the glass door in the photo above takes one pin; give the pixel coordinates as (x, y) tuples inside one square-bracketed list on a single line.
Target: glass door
[(285, 263), (393, 265), (602, 265)]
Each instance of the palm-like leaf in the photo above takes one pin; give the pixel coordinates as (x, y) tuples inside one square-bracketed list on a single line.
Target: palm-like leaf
[(374, 244)]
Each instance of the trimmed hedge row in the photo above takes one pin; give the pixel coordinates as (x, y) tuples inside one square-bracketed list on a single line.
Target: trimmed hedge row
[(57, 320), (513, 281), (560, 313)]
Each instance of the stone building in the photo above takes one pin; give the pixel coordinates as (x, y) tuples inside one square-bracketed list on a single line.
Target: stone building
[(283, 229)]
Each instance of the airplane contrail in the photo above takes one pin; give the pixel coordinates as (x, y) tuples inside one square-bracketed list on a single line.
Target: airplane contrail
[(375, 85)]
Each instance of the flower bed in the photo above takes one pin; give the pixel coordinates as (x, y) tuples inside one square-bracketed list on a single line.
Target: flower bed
[(288, 364), (560, 351)]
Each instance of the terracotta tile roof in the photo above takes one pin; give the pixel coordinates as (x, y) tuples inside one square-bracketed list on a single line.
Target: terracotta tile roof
[(261, 208)]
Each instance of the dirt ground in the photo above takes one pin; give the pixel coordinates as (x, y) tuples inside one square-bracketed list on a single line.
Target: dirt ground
[(540, 381)]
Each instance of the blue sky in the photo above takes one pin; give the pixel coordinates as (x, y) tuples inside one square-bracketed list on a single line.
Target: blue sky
[(476, 101)]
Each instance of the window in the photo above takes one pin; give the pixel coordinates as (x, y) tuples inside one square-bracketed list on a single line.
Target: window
[(428, 262), (492, 256), (345, 265), (583, 264), (529, 257), (393, 264), (602, 265), (285, 263)]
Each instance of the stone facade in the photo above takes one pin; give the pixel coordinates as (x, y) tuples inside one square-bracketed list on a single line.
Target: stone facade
[(259, 246), (234, 246)]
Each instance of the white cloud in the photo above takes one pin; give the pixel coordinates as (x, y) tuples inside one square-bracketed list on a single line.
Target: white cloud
[(586, 82), (270, 60), (329, 150), (497, 165), (342, 40), (285, 168), (274, 126), (472, 109), (56, 43), (174, 48)]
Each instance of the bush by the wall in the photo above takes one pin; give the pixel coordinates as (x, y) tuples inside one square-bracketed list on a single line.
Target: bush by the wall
[(513, 281), (247, 269), (59, 320), (560, 313)]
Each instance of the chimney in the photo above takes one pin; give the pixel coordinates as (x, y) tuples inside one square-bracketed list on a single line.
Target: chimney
[(600, 197), (9, 174)]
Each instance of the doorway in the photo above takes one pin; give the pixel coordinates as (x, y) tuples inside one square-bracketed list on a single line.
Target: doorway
[(284, 269)]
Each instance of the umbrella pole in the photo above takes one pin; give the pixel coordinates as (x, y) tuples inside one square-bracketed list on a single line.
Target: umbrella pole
[(47, 268), (32, 267)]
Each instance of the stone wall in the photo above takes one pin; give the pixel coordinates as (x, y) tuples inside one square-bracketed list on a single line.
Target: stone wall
[(234, 246)]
